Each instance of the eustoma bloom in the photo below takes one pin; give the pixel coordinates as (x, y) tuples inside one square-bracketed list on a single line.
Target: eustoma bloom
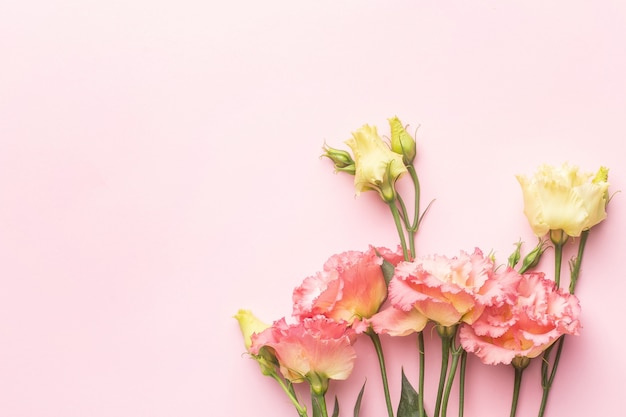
[(315, 349), (351, 287), (564, 198), (377, 166), (525, 327), (449, 290)]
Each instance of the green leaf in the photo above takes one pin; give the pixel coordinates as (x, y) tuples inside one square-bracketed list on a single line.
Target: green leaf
[(409, 405), (357, 405), (336, 410)]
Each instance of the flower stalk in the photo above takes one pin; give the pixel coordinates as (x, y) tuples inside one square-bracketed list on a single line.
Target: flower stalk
[(383, 369), (519, 363), (291, 394), (549, 373)]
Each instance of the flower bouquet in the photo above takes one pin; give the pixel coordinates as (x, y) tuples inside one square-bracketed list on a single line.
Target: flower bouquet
[(506, 313)]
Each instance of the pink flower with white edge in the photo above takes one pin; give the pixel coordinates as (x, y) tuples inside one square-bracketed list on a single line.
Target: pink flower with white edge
[(449, 291), (525, 327), (351, 287), (315, 349)]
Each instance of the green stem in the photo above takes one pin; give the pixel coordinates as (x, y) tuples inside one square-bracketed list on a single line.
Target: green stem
[(383, 370), (456, 353), (445, 356), (291, 393), (398, 221), (420, 398), (320, 400), (416, 185), (516, 386), (410, 233), (413, 228), (558, 238), (547, 381), (579, 261), (462, 383)]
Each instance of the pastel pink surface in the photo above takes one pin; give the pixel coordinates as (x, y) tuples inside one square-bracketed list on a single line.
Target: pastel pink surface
[(159, 170)]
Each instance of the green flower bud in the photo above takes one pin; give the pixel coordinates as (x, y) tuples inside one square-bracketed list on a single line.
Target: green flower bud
[(267, 361), (341, 159), (532, 259), (515, 256), (401, 141)]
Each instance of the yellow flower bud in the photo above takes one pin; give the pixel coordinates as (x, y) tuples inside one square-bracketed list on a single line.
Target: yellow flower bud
[(401, 141), (249, 325)]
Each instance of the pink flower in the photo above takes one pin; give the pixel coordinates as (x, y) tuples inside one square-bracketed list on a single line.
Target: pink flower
[(315, 349), (350, 287), (525, 327), (450, 290), (396, 322)]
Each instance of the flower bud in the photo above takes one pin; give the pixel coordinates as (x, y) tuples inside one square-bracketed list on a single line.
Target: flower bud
[(267, 361), (516, 255), (401, 141), (387, 187), (341, 159), (249, 324), (532, 259)]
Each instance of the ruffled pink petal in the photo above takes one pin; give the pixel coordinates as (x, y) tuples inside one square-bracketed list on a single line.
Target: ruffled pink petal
[(396, 322), (488, 352)]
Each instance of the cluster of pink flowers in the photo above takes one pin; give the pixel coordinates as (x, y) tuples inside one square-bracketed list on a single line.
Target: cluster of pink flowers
[(503, 314)]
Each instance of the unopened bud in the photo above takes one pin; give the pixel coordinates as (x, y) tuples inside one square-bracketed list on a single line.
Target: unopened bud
[(515, 256), (401, 141), (387, 188), (341, 159), (532, 259)]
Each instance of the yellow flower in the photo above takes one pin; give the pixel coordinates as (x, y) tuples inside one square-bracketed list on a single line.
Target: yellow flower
[(563, 198), (377, 166)]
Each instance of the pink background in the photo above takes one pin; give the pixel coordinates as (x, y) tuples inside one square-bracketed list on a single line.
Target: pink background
[(159, 170)]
